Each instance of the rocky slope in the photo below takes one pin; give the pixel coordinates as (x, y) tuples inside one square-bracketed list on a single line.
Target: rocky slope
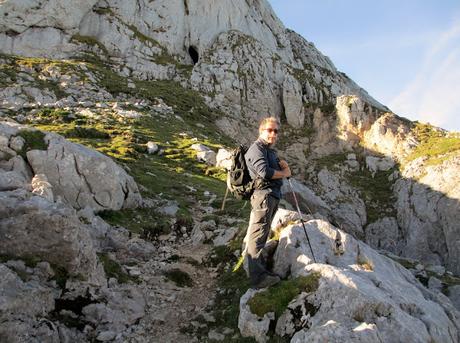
[(127, 93)]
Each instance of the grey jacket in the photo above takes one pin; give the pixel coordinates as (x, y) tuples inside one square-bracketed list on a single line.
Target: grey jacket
[(262, 162)]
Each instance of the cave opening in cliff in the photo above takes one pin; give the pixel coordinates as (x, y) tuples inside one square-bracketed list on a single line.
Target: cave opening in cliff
[(193, 54)]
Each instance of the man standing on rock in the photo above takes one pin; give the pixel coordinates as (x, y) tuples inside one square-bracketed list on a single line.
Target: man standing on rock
[(267, 171)]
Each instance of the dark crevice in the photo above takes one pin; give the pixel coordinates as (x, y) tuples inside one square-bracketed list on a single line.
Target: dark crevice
[(187, 12), (193, 54), (11, 33)]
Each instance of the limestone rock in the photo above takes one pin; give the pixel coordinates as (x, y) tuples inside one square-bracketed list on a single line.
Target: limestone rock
[(122, 307), (362, 294), (454, 295), (385, 234), (42, 187), (84, 177), (375, 164), (223, 159), (152, 147), (32, 226), (251, 325), (429, 213)]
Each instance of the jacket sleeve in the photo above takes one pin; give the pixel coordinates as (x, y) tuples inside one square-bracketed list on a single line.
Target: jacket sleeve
[(258, 160)]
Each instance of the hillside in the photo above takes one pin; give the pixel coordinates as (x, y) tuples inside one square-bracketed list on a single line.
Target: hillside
[(113, 228)]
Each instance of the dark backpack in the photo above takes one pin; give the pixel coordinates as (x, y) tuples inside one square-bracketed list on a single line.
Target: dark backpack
[(239, 181)]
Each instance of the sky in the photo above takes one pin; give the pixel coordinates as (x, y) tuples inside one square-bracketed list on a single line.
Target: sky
[(404, 53)]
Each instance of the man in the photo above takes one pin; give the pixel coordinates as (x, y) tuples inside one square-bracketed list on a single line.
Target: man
[(267, 171)]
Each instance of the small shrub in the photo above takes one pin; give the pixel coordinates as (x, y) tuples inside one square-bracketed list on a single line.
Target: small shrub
[(275, 299), (85, 132), (113, 269), (179, 277), (34, 140)]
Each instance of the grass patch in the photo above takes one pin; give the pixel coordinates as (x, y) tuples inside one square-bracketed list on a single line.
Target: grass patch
[(377, 192), (113, 269), (435, 144), (275, 299), (85, 132), (143, 221), (179, 277), (331, 161), (90, 41)]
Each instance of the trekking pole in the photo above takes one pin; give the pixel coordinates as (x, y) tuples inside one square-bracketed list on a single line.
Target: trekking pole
[(301, 219)]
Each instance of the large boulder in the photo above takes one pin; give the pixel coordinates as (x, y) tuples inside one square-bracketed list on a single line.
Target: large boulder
[(78, 176), (84, 177), (33, 227), (362, 296)]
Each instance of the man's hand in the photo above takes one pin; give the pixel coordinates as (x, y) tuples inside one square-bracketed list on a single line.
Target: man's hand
[(285, 168), (284, 172), (283, 164)]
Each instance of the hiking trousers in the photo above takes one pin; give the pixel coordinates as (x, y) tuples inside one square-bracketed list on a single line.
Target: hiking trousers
[(264, 206)]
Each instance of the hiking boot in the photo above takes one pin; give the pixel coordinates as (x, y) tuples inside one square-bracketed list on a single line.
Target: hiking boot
[(268, 281)]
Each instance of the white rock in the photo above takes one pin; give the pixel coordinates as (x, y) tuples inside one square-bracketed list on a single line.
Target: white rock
[(152, 147), (223, 159), (251, 325), (360, 287), (42, 187)]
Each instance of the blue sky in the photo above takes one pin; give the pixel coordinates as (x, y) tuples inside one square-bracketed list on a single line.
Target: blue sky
[(406, 54)]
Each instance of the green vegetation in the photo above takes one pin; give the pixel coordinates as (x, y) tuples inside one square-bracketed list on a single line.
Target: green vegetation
[(331, 161), (34, 140), (376, 192), (275, 299), (144, 221), (435, 144), (113, 269), (179, 277), (60, 276), (91, 41)]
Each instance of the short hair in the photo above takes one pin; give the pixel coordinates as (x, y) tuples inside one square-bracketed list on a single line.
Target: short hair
[(264, 121)]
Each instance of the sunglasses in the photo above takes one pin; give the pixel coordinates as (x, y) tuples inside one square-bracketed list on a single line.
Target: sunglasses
[(272, 130)]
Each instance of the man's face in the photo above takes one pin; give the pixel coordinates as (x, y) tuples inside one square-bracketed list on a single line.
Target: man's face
[(269, 133)]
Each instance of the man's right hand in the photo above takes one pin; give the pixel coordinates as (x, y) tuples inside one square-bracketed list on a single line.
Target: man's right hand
[(285, 168)]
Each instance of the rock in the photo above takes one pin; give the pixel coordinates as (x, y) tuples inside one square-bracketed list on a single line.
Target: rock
[(42, 187), (223, 159), (225, 236), (385, 234), (309, 202), (20, 298), (440, 270), (332, 331), (32, 226), (362, 287), (11, 180), (435, 284), (152, 147), (209, 157), (214, 335), (295, 317), (454, 295), (84, 177), (376, 164), (292, 101), (170, 209), (428, 210), (121, 307), (106, 336), (251, 325), (197, 236), (17, 143)]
